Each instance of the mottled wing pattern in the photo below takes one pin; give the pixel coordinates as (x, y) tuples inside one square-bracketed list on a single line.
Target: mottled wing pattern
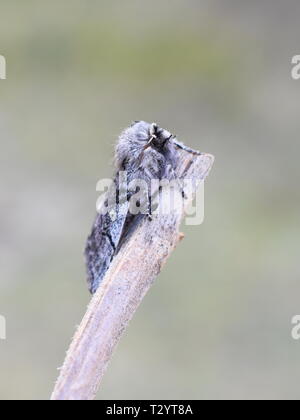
[(104, 239)]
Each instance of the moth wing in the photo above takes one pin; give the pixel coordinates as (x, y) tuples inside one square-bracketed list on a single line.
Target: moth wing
[(105, 236)]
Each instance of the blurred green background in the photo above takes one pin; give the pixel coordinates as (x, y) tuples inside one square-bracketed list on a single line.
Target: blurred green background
[(217, 323)]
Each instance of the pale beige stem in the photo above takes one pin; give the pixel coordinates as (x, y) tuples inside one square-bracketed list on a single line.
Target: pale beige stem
[(130, 276)]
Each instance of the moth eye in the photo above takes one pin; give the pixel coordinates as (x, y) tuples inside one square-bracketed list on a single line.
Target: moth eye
[(165, 140)]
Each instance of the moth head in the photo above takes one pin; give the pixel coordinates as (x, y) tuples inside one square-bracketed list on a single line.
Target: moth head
[(158, 137)]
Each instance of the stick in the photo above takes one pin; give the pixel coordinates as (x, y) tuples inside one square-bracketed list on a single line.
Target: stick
[(130, 276)]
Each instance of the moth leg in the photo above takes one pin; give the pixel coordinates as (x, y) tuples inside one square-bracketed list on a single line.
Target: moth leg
[(144, 203), (149, 215), (150, 201), (110, 239), (171, 175)]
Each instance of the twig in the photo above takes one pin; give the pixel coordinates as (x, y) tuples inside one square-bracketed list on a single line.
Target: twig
[(130, 276)]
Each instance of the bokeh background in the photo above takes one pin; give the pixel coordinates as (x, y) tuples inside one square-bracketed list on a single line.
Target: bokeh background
[(217, 323)]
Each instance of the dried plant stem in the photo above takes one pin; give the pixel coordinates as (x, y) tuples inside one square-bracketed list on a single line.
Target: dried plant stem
[(130, 276)]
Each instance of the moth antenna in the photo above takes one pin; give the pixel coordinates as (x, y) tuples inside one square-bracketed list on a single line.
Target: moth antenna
[(185, 148)]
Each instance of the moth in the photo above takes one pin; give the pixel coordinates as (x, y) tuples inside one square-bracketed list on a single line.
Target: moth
[(145, 152)]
